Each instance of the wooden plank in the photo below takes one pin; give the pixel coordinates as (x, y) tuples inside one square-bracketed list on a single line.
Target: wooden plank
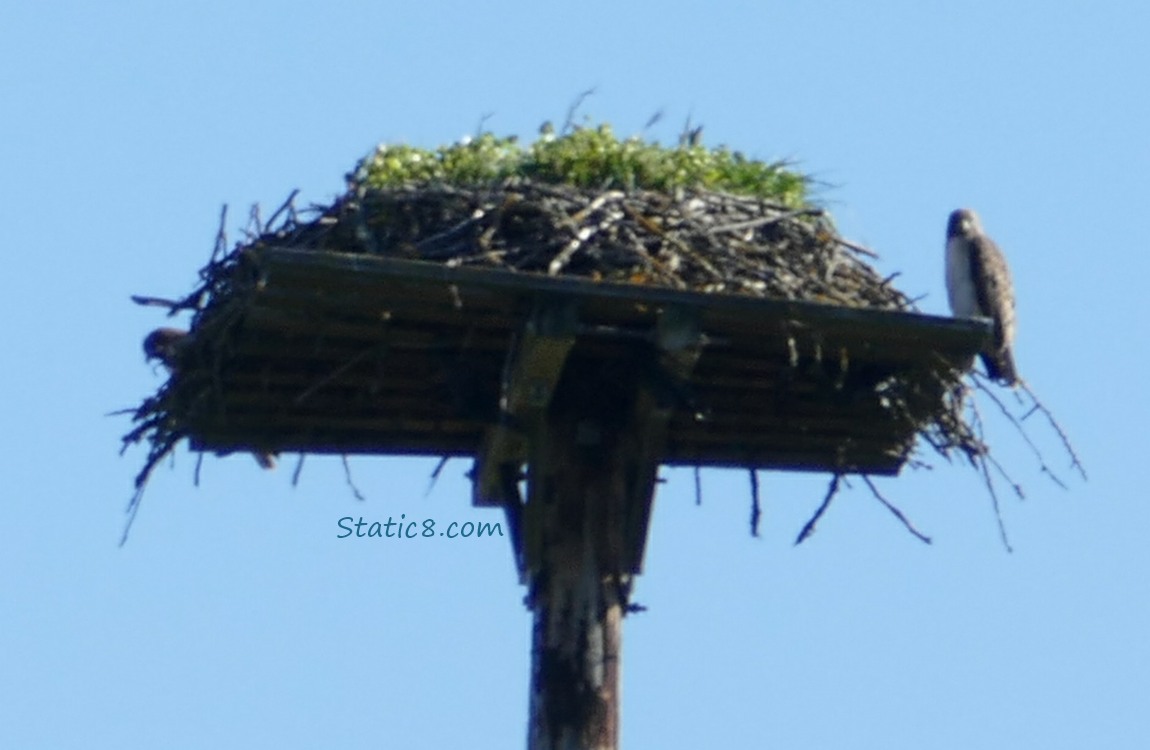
[(678, 346), (376, 338), (945, 332), (531, 375)]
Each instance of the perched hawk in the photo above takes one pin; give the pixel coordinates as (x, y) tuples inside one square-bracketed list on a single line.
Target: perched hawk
[(167, 346), (978, 285)]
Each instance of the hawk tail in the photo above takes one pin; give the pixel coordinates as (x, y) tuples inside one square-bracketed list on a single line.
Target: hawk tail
[(265, 460), (1000, 366)]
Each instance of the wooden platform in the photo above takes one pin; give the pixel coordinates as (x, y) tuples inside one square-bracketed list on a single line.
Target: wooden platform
[(337, 353)]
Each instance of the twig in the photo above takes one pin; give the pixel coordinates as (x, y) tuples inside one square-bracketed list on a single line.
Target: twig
[(569, 121), (897, 513), (1075, 463), (890, 278), (582, 234), (857, 248), (255, 226), (483, 118), (140, 299), (762, 221), (298, 470), (994, 500), (980, 385), (653, 120), (917, 463), (132, 509), (698, 487), (435, 474), (221, 245), (809, 528), (1018, 490), (979, 460), (424, 246), (350, 482), (288, 205), (690, 136), (756, 509), (982, 456), (977, 430)]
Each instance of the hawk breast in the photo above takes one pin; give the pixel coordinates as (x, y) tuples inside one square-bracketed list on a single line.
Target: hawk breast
[(960, 283)]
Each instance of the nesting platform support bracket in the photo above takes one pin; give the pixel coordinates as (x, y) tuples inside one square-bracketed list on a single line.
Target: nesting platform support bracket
[(592, 456), (678, 343), (530, 375), (658, 385), (591, 438)]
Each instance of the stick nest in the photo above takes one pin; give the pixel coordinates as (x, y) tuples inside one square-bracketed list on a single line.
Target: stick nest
[(698, 240), (691, 238), (702, 240)]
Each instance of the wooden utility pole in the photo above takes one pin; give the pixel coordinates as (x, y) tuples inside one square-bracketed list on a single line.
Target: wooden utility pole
[(579, 587), (583, 408)]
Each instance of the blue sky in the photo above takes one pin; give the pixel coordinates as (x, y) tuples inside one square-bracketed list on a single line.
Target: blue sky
[(234, 617)]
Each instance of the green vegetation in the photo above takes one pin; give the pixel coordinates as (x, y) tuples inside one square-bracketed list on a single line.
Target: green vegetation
[(585, 157)]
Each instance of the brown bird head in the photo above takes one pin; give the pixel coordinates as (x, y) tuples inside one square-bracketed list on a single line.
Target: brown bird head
[(963, 223), (164, 344)]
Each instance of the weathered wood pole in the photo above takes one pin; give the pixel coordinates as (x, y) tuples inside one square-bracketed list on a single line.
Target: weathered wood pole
[(587, 411), (576, 512)]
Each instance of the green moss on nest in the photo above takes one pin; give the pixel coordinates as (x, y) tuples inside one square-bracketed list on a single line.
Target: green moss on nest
[(585, 157)]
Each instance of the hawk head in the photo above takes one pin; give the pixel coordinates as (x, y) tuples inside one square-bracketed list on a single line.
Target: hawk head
[(168, 345), (963, 223), (165, 344)]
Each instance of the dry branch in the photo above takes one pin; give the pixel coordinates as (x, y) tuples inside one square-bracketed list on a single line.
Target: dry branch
[(351, 481), (756, 509), (809, 526), (897, 513)]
